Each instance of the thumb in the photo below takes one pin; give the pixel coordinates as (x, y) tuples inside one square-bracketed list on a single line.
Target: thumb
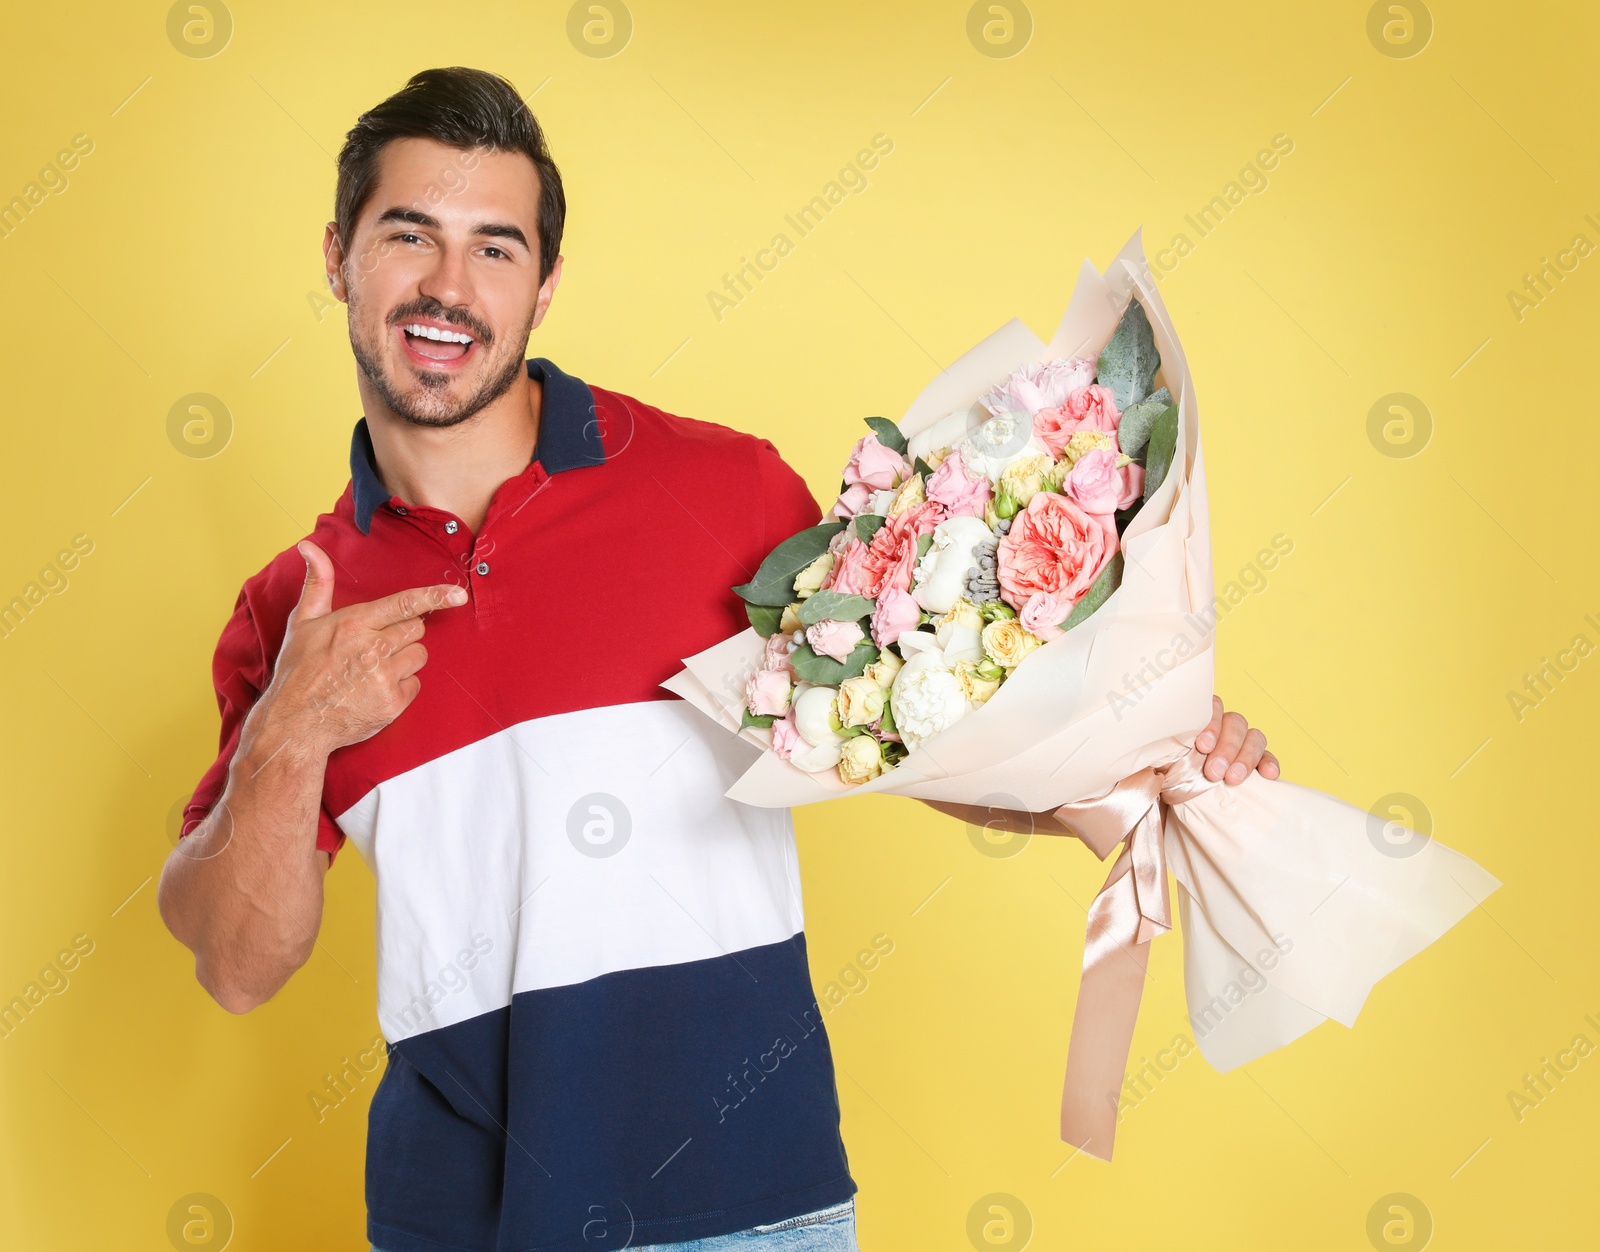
[(316, 598)]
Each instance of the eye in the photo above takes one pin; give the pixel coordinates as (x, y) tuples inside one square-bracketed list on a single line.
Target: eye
[(497, 251), (409, 236)]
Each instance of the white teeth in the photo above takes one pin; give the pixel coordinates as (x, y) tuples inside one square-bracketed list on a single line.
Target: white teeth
[(433, 332)]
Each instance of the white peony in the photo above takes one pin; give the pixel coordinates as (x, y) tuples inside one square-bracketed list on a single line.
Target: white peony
[(998, 442), (959, 643), (927, 698), (820, 745), (941, 573), (945, 433)]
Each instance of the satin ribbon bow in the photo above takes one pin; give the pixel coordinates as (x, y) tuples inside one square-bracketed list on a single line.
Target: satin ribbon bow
[(1130, 910)]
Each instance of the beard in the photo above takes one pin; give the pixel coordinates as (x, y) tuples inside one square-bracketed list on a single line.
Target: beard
[(428, 402)]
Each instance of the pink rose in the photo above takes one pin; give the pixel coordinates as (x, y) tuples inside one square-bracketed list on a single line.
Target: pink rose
[(874, 465), (961, 494), (784, 736), (856, 497), (1088, 408), (896, 612), (1132, 484), (776, 654), (849, 574), (870, 569), (768, 693), (1095, 482), (1055, 547), (835, 639), (1036, 387), (1043, 614)]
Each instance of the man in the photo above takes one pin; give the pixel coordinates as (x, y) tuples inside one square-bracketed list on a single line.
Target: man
[(592, 966)]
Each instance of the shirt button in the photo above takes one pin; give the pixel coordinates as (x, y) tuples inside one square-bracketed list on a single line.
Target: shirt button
[(450, 528), (483, 567), (400, 509)]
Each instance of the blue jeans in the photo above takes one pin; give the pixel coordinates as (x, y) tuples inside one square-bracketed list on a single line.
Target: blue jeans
[(831, 1229)]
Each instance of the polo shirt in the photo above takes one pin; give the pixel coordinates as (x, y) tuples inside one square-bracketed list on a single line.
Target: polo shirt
[(592, 971)]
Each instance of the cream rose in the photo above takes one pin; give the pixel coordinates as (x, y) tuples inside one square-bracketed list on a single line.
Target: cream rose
[(861, 759), (860, 701), (910, 494), (883, 670), (1025, 478), (809, 580), (1007, 643), (974, 685), (964, 613)]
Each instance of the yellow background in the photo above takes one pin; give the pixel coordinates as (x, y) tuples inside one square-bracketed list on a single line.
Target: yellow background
[(1378, 657)]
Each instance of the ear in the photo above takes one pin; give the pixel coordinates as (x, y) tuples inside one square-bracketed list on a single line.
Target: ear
[(333, 262), (547, 291)]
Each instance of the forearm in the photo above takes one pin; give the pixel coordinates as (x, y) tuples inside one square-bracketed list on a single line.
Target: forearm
[(244, 890)]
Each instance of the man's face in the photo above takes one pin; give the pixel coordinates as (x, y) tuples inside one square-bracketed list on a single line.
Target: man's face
[(442, 278)]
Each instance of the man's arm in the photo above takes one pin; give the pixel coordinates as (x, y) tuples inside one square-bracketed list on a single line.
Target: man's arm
[(1233, 748), (243, 890)]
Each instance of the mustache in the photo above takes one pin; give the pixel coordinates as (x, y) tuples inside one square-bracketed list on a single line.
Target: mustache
[(481, 331)]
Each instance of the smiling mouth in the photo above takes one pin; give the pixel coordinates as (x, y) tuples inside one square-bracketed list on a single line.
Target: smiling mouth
[(435, 346)]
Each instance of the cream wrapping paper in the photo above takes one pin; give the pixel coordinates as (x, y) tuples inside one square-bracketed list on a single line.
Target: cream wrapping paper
[(1292, 904)]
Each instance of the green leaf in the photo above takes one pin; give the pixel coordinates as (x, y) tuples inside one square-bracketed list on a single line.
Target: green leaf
[(923, 468), (1159, 453), (888, 433), (1133, 431), (849, 732), (924, 542), (867, 525), (750, 719), (886, 722), (1099, 589), (827, 672), (836, 606), (764, 617), (773, 584), (1129, 361)]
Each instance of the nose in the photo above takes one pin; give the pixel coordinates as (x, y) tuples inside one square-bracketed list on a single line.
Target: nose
[(448, 281)]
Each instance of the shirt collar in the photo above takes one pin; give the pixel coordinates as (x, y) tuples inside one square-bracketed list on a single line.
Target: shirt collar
[(569, 438)]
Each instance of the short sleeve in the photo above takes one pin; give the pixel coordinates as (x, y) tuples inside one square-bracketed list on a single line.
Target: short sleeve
[(788, 504), (240, 672)]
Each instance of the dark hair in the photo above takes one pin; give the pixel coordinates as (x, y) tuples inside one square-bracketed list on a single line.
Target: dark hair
[(462, 108)]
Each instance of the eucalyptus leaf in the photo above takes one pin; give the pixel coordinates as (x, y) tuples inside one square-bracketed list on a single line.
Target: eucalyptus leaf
[(923, 468), (867, 524), (837, 606), (773, 584), (750, 719), (825, 671), (1159, 452), (1108, 581), (1129, 361), (888, 433), (764, 617), (924, 542), (1133, 431)]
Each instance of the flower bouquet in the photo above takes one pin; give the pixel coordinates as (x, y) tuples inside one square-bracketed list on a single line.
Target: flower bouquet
[(1041, 510)]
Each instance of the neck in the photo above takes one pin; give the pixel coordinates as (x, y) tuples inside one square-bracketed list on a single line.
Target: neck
[(456, 468)]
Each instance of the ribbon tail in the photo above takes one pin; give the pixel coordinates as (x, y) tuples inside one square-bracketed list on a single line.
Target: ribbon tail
[(1114, 964)]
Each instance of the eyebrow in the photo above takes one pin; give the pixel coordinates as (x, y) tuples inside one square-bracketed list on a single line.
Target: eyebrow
[(416, 217)]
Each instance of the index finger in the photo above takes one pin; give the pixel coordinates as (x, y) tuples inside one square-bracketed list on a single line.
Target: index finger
[(413, 602)]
